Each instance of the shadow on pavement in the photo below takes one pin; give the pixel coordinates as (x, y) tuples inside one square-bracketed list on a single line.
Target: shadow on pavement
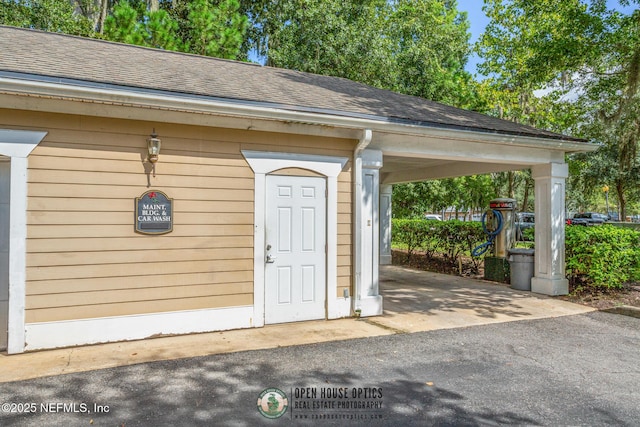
[(224, 392)]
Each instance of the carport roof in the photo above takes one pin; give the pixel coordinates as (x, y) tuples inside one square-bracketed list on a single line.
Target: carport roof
[(58, 58)]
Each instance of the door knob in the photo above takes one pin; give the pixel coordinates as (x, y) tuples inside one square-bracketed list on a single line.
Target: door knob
[(270, 259)]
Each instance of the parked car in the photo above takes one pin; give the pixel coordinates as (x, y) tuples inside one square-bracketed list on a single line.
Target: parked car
[(524, 220), (589, 219), (433, 217)]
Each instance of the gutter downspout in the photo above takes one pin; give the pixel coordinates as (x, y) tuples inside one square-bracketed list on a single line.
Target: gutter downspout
[(364, 142)]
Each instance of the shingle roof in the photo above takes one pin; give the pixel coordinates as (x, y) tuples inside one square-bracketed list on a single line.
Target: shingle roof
[(62, 57)]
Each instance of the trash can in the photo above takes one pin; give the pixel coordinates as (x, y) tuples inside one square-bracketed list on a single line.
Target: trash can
[(521, 267)]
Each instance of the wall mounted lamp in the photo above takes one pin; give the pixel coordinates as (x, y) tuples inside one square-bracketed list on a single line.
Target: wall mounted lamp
[(153, 146)]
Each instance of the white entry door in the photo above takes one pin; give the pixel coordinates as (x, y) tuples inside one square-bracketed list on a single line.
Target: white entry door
[(295, 264), (5, 175)]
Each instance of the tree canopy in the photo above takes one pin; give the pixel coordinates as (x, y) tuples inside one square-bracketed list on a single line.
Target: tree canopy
[(571, 66)]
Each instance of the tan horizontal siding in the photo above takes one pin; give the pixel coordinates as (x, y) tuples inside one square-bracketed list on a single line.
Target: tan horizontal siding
[(122, 218), (144, 279), (113, 178), (130, 308), (119, 270), (93, 231), (84, 258), (165, 169), (136, 243), (344, 250), (137, 295), (136, 256), (125, 205), (96, 192)]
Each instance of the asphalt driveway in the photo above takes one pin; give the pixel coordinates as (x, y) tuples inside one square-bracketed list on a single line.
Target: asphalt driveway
[(571, 370), (414, 301)]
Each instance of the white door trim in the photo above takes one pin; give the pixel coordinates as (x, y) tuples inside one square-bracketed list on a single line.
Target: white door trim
[(17, 145), (263, 163)]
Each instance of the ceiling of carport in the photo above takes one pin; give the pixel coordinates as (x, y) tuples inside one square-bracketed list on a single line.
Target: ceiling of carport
[(397, 169)]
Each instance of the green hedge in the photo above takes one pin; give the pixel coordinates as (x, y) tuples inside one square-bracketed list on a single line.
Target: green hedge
[(450, 239), (605, 256)]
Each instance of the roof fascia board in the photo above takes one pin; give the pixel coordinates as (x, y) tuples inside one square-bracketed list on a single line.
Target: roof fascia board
[(126, 97)]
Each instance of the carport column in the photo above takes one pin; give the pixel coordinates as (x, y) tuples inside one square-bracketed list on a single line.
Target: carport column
[(385, 224), (549, 270), (367, 230)]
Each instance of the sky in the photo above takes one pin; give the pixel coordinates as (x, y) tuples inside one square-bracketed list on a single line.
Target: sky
[(478, 21)]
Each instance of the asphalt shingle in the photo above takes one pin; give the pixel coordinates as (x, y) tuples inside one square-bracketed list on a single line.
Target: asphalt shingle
[(63, 57)]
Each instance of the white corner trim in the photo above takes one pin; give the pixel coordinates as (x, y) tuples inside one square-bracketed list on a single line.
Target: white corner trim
[(125, 328), (17, 254), (263, 163), (19, 143)]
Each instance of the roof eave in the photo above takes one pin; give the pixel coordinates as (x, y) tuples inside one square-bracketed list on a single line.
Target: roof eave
[(344, 125)]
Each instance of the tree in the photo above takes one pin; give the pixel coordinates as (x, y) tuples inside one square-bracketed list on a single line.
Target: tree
[(587, 59), (205, 27), (464, 194), (215, 29), (416, 47), (431, 47), (142, 27), (47, 15)]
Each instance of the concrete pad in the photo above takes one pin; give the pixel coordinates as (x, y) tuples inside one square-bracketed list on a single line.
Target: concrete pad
[(414, 301), (79, 359)]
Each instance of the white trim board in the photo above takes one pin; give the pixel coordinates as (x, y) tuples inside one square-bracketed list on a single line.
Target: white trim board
[(263, 163), (18, 144), (125, 328)]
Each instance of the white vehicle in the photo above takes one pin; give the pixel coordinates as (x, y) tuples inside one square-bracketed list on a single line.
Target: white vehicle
[(433, 217)]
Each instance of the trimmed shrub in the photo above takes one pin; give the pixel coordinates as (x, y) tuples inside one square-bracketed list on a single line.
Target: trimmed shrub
[(411, 234), (603, 256), (451, 238)]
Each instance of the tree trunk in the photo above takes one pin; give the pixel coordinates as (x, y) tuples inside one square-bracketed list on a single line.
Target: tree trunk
[(525, 197), (103, 15), (621, 200), (511, 177)]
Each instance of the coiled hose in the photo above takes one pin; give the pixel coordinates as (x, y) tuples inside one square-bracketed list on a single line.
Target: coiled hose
[(481, 249)]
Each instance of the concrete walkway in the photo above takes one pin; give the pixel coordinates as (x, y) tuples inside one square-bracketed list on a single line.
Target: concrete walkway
[(414, 301)]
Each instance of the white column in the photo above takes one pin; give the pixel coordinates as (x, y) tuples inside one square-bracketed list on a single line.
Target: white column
[(549, 271), (367, 230), (385, 224)]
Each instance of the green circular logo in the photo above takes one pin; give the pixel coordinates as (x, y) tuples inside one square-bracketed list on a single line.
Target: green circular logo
[(272, 403)]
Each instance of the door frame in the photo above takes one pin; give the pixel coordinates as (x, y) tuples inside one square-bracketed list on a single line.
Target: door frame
[(262, 163)]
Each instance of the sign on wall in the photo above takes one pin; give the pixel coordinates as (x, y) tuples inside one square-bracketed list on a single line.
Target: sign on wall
[(154, 213)]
